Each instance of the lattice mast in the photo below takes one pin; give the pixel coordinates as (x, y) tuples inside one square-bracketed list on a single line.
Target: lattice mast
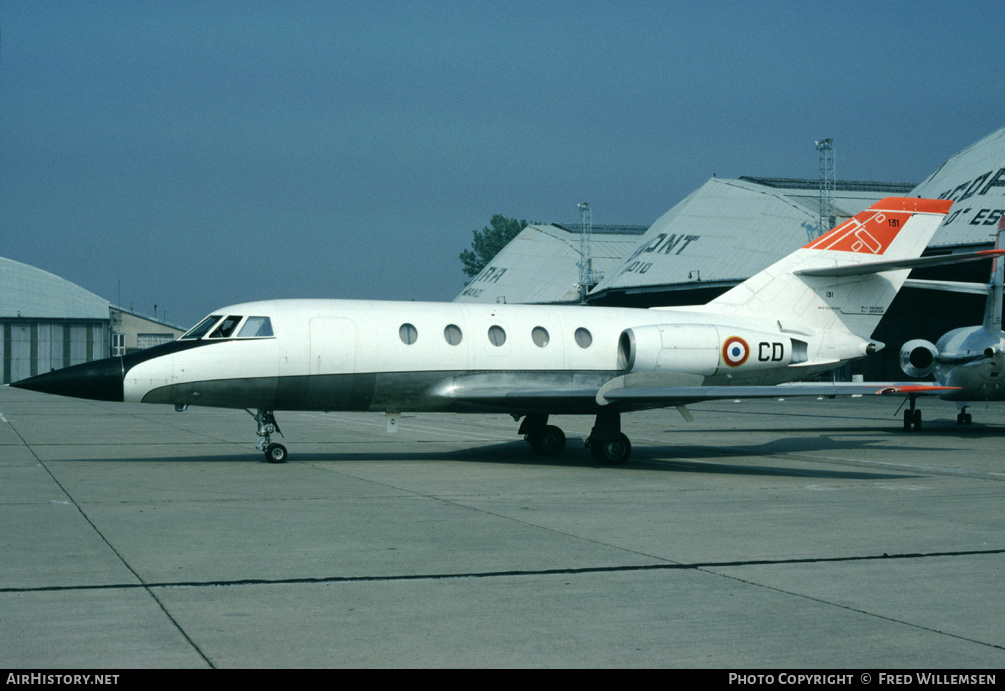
[(586, 274), (828, 186)]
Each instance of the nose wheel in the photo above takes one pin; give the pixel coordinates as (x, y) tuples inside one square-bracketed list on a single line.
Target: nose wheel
[(274, 453)]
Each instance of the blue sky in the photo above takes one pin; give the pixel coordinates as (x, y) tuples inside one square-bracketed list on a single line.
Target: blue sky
[(197, 154)]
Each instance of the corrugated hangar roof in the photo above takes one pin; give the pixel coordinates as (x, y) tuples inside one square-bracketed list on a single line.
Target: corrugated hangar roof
[(975, 180), (727, 230), (31, 293), (540, 265)]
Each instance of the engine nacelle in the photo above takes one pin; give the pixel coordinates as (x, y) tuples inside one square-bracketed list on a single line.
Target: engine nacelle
[(918, 358), (704, 349)]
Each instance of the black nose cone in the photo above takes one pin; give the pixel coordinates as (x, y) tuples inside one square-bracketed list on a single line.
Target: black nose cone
[(100, 380)]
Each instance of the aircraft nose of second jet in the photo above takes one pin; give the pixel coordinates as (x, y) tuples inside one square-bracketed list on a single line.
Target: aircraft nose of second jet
[(99, 380)]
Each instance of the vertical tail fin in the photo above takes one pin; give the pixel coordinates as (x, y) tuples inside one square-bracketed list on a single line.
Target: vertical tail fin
[(825, 284), (993, 307)]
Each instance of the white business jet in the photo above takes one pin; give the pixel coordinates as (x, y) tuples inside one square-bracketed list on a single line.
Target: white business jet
[(810, 312), (970, 360)]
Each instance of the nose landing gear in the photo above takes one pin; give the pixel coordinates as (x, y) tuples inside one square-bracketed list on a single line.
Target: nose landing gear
[(274, 453)]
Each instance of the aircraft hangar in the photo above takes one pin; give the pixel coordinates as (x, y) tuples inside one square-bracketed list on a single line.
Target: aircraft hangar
[(974, 179), (723, 233), (47, 322), (541, 264), (727, 230), (719, 235)]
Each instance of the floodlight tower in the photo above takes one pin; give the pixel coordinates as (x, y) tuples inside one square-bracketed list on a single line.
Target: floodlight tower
[(828, 185), (585, 262)]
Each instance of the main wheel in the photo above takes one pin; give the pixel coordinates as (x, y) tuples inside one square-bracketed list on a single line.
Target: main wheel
[(612, 451), (548, 441), (917, 420), (275, 453)]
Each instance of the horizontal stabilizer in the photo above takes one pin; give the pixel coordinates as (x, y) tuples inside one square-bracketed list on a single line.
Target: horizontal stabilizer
[(895, 264), (950, 286)]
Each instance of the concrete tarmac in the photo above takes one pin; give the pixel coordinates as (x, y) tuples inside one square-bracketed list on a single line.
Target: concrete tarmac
[(765, 534)]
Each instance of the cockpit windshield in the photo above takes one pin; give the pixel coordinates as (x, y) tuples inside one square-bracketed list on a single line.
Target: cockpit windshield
[(227, 327), (202, 328)]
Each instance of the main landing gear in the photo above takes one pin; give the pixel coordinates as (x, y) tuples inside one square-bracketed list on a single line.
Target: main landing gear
[(545, 439), (912, 416), (606, 442), (274, 453)]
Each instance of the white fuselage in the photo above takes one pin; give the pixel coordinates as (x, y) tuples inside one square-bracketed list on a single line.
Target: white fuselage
[(398, 356)]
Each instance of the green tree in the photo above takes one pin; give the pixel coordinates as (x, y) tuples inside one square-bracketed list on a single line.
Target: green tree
[(488, 241)]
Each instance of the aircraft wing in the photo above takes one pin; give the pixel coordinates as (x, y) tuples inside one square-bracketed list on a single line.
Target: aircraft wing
[(638, 391)]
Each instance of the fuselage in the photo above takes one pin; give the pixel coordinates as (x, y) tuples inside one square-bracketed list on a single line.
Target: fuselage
[(979, 380), (420, 356)]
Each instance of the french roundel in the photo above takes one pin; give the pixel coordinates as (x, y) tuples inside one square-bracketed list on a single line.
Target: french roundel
[(735, 351)]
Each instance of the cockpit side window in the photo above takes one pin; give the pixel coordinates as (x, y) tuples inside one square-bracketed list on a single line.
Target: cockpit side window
[(226, 328), (202, 328), (256, 327)]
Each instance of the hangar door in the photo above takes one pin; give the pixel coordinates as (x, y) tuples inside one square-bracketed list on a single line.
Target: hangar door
[(30, 348)]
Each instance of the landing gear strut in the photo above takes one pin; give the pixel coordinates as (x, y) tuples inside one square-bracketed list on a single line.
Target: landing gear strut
[(912, 416), (274, 453), (607, 444), (545, 439)]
